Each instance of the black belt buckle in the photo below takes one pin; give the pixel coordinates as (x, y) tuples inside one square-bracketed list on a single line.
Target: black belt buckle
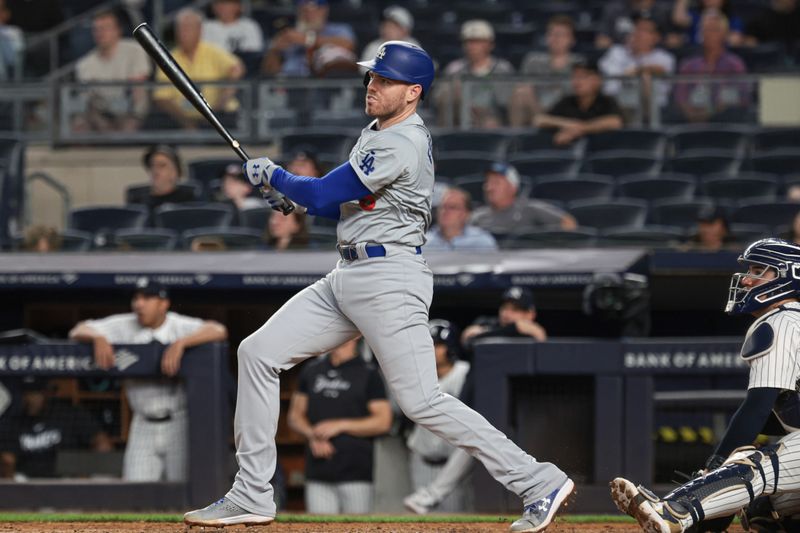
[(348, 253)]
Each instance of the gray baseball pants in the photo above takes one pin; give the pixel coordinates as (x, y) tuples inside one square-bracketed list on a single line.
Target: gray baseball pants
[(386, 299)]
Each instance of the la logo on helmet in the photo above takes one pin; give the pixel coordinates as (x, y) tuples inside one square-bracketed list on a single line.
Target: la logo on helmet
[(381, 52)]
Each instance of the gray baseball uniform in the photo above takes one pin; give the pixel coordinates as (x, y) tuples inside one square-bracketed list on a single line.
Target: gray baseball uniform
[(386, 299), (157, 444)]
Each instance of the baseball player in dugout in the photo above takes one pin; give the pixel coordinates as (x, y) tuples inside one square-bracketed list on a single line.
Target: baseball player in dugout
[(763, 483), (380, 288), (157, 440)]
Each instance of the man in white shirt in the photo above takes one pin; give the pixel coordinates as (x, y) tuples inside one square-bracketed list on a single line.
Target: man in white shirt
[(157, 441), (452, 230), (396, 25), (230, 30)]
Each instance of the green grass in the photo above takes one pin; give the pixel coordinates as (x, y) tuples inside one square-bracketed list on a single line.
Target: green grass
[(289, 518)]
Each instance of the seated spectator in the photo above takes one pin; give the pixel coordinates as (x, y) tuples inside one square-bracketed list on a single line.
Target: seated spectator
[(11, 43), (712, 232), (287, 232), (640, 56), (304, 163), (207, 243), (699, 101), (516, 317), (339, 406), (489, 100), (313, 46), (230, 30), (237, 189), (687, 18), (452, 230), (585, 111), (779, 23), (616, 21), (557, 61), (505, 212), (113, 59), (163, 166), (42, 239), (30, 440), (794, 230), (201, 61), (396, 25)]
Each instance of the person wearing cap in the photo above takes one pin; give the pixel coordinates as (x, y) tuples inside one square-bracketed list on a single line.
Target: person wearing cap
[(202, 61), (584, 112), (236, 189), (488, 100), (396, 25), (157, 441), (640, 57), (452, 230), (113, 59), (507, 212), (516, 317), (712, 231), (616, 21), (163, 165), (232, 31), (303, 162), (293, 50), (557, 61)]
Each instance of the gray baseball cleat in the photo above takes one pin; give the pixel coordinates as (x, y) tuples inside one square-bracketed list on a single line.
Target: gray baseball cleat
[(538, 515), (651, 512), (223, 513)]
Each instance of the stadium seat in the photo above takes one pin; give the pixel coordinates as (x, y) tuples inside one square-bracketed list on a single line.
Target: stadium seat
[(550, 237), (234, 238), (473, 185), (678, 212), (649, 143), (497, 13), (769, 213), (328, 141), (621, 163), (604, 214), (146, 239), (586, 187), (182, 217), (76, 241), (704, 162), (709, 137), (456, 164), (741, 187), (139, 191), (487, 143), (747, 233), (765, 57), (525, 144), (654, 188), (783, 161), (535, 166), (770, 139), (204, 171), (650, 235), (322, 238), (255, 217), (107, 219)]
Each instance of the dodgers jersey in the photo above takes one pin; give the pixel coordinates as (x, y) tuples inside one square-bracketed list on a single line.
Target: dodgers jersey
[(396, 165), (771, 348)]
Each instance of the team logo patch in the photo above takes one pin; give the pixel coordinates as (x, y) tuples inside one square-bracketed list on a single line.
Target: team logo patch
[(381, 52), (367, 203), (368, 163)]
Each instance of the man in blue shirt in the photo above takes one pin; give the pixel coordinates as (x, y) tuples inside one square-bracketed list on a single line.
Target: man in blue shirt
[(452, 232)]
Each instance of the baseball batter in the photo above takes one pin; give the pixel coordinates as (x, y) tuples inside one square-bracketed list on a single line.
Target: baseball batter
[(735, 477), (382, 288)]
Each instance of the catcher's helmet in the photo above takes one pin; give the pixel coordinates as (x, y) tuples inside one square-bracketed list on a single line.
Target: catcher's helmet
[(402, 61), (783, 257), (445, 332)]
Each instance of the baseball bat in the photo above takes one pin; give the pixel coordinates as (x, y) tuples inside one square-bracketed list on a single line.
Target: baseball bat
[(148, 40)]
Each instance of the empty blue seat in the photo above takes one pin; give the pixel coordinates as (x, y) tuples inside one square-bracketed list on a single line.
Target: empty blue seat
[(742, 187), (182, 217), (529, 143), (333, 142), (704, 162), (650, 143), (770, 139), (255, 217), (747, 233), (146, 239), (550, 237), (650, 235), (770, 213), (134, 192), (600, 214), (654, 188), (456, 164), (107, 218), (204, 171), (76, 241), (621, 163), (580, 188), (710, 137), (679, 212), (783, 161), (491, 143), (535, 166)]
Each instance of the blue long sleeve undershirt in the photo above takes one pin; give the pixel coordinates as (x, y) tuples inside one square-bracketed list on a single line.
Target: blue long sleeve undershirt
[(749, 420), (321, 196)]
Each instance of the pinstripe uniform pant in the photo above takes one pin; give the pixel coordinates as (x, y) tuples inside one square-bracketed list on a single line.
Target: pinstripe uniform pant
[(730, 500), (352, 497), (423, 474), (156, 451)]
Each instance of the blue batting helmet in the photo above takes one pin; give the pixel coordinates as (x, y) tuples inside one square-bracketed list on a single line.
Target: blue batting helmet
[(402, 61), (783, 258)]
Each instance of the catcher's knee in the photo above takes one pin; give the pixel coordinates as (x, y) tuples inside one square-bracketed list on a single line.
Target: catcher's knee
[(756, 460)]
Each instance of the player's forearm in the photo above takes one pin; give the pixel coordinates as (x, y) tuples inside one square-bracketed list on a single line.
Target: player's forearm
[(369, 426), (331, 211), (336, 187), (552, 121), (84, 333), (748, 421), (210, 331), (300, 424), (608, 122)]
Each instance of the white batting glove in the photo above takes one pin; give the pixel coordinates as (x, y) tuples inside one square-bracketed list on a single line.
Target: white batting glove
[(275, 200), (259, 171)]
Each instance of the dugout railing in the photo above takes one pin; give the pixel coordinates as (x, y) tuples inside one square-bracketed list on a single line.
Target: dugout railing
[(208, 384)]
